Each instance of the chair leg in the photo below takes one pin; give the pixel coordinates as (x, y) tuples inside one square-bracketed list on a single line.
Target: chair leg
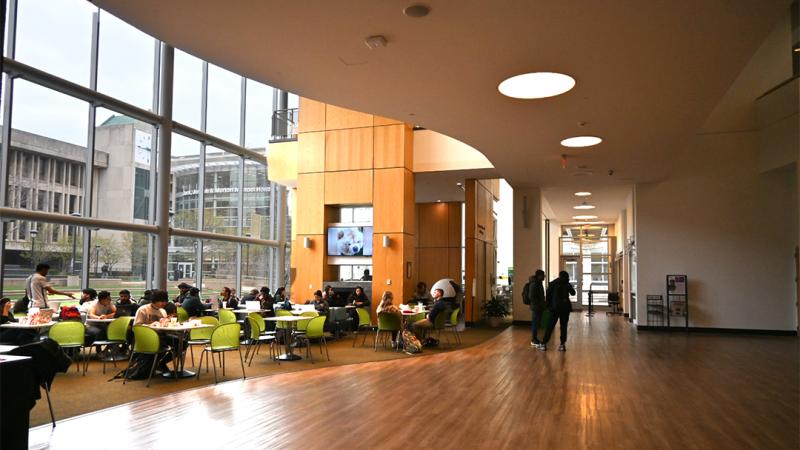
[(86, 360), (375, 344), (222, 357), (242, 362), (130, 359), (215, 371), (152, 369), (355, 338), (49, 404), (191, 352), (325, 341), (201, 363)]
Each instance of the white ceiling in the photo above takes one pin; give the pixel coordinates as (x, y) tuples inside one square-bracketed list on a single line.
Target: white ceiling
[(648, 73), (608, 202)]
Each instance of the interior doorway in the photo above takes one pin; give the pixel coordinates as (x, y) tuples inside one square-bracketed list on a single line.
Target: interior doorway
[(585, 253)]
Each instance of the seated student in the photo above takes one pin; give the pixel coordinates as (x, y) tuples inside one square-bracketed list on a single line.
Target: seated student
[(192, 303), (10, 335), (360, 300), (153, 311), (145, 299), (125, 306), (386, 306), (226, 299), (101, 309), (250, 296), (281, 301), (88, 295), (421, 295), (320, 304), (420, 327), (267, 302)]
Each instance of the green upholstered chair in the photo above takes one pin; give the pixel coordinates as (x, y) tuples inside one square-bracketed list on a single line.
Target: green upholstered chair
[(364, 325), (226, 316), (316, 330), (146, 342), (225, 338), (387, 323), (70, 336), (202, 336), (116, 334)]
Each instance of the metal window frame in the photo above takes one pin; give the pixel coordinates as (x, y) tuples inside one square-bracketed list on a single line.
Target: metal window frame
[(158, 226)]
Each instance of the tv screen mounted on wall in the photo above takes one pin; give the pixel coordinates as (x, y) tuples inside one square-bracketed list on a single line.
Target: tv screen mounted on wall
[(349, 241)]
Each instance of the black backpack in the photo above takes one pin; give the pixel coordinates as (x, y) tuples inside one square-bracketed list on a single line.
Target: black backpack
[(526, 293)]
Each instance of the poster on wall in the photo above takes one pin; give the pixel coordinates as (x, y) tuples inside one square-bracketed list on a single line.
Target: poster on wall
[(676, 285)]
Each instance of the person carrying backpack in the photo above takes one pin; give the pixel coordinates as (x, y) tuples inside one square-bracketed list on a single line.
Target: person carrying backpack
[(557, 300), (533, 296)]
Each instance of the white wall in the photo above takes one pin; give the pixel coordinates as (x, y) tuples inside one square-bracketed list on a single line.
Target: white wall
[(731, 229), (527, 245)]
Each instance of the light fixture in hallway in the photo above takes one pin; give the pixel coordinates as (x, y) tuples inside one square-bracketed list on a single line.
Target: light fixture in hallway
[(581, 141), (584, 217), (417, 11), (583, 194), (583, 205), (536, 85)]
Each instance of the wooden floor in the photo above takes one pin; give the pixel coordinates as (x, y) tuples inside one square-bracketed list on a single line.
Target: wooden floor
[(613, 389)]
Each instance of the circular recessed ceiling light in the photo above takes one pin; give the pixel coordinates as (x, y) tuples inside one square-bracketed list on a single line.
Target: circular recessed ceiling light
[(417, 11), (581, 141), (583, 205), (536, 85), (584, 217), (583, 194)]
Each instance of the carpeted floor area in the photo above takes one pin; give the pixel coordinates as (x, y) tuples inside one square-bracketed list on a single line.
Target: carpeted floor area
[(74, 394)]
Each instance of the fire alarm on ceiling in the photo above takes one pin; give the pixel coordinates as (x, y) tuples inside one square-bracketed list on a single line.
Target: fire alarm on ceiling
[(374, 42)]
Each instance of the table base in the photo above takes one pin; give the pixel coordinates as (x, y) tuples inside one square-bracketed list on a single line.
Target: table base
[(180, 374), (289, 357)]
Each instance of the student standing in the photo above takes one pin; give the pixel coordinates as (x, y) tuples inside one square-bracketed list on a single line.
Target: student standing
[(534, 296), (558, 303)]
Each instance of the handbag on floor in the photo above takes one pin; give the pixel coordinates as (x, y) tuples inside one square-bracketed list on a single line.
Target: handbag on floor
[(410, 342)]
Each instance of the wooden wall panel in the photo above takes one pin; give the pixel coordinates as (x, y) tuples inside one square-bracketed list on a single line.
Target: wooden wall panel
[(454, 263), (310, 191), (347, 188), (389, 204), (312, 116), (433, 264), (311, 152), (309, 267), (349, 149), (389, 266), (380, 120), (389, 146), (337, 118), (433, 225), (454, 225), (408, 143), (409, 203)]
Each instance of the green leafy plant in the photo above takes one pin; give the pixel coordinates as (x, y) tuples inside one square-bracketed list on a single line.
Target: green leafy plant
[(495, 307)]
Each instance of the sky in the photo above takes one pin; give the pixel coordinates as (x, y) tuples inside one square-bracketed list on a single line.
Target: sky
[(55, 36)]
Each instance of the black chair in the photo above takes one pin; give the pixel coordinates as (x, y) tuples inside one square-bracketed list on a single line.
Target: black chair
[(48, 359)]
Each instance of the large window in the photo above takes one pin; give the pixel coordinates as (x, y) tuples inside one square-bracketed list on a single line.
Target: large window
[(51, 170)]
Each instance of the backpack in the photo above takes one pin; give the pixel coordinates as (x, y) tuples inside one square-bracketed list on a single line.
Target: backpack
[(139, 368), (410, 342), (69, 313), (526, 294)]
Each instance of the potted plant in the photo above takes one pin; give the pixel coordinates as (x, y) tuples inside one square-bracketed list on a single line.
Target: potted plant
[(495, 310)]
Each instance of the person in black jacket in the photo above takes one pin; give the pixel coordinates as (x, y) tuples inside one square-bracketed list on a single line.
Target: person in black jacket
[(557, 299), (533, 293), (360, 300), (192, 303)]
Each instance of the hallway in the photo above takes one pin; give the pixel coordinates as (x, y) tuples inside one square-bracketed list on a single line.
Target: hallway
[(614, 388)]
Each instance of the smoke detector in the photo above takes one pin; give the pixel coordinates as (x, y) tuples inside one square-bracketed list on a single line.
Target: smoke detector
[(377, 41)]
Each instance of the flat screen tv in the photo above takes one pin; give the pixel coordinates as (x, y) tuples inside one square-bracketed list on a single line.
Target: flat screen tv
[(349, 241)]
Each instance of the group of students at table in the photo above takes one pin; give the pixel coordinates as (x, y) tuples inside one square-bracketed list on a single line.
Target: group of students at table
[(359, 299)]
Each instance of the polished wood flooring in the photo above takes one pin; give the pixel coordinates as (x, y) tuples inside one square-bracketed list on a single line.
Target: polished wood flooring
[(613, 389)]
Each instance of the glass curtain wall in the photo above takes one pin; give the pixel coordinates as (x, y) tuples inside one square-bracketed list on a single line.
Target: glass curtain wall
[(100, 204)]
